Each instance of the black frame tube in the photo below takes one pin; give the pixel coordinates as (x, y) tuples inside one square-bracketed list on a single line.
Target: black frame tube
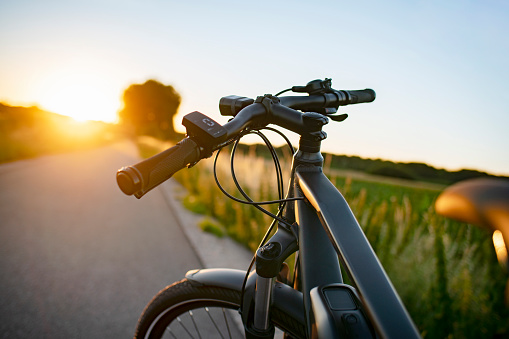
[(319, 263), (325, 202)]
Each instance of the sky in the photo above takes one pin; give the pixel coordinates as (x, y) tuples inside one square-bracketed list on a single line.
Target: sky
[(439, 68)]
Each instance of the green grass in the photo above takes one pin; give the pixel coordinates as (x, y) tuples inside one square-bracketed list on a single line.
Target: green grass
[(446, 272), (210, 226)]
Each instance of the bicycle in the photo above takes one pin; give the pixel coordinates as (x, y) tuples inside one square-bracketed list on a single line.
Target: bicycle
[(313, 220)]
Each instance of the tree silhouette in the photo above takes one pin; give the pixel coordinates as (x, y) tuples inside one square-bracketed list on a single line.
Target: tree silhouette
[(149, 109)]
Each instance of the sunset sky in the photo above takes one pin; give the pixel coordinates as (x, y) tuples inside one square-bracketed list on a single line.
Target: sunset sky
[(440, 68)]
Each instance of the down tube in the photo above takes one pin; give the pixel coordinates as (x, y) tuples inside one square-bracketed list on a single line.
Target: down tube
[(382, 303), (319, 264)]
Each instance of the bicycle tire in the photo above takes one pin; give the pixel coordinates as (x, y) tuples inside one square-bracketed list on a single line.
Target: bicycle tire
[(171, 306)]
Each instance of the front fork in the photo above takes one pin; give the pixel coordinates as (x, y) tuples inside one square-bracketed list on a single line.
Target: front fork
[(258, 293), (263, 296)]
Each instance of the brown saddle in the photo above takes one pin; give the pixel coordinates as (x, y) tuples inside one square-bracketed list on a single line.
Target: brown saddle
[(483, 202)]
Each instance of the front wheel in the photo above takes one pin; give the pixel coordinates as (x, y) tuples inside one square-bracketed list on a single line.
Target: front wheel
[(183, 310)]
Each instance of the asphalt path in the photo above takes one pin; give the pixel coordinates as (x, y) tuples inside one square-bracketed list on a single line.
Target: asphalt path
[(78, 259)]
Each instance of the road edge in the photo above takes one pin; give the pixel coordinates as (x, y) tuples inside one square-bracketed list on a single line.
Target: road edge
[(212, 251)]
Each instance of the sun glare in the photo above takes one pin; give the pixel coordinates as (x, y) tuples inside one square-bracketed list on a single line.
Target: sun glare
[(81, 94)]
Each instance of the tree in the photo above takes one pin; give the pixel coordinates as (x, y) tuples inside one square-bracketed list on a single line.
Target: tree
[(149, 109)]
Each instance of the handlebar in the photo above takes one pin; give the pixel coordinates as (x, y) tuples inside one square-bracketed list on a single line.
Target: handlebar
[(204, 135), (360, 96), (140, 178), (329, 100), (233, 104)]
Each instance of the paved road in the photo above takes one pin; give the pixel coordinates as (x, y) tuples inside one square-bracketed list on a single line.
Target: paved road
[(78, 259)]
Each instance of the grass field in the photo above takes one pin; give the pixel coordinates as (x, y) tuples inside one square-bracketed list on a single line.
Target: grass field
[(446, 272)]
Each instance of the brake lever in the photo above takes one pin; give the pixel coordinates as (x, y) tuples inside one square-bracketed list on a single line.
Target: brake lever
[(329, 112), (338, 117)]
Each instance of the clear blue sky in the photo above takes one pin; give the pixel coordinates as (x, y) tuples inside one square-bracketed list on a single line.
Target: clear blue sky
[(440, 68)]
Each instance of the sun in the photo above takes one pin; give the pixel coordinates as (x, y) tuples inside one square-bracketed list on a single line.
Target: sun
[(81, 93)]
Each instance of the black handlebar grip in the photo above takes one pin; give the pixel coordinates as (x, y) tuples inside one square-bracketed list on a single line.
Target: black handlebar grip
[(140, 178), (363, 95)]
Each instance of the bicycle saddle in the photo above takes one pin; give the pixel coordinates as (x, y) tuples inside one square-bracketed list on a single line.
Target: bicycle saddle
[(483, 202)]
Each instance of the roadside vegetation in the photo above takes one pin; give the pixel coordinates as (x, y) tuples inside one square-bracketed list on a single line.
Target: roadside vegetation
[(410, 172), (27, 132)]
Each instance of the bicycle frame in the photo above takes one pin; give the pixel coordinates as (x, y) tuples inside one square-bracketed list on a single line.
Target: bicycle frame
[(328, 230), (329, 225)]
